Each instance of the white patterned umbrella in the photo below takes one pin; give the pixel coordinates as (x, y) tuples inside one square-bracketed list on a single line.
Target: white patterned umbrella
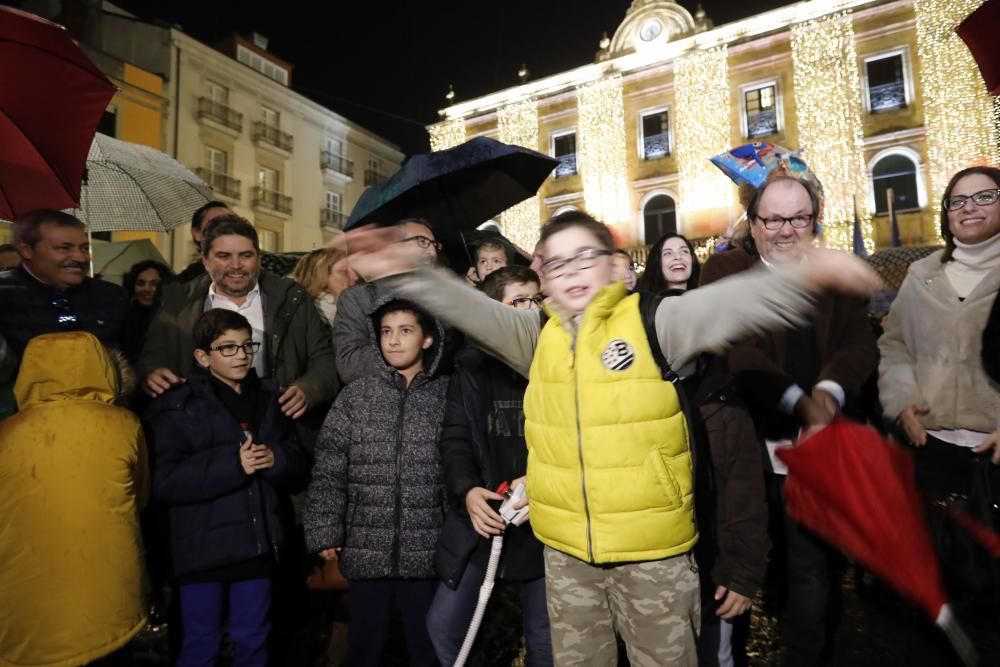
[(130, 187)]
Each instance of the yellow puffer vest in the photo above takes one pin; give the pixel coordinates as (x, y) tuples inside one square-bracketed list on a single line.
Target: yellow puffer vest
[(609, 467)]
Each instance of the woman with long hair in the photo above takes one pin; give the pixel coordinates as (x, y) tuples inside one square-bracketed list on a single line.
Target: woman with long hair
[(318, 272), (672, 265), (142, 282)]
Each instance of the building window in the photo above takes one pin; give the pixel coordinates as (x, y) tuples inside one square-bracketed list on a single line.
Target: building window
[(216, 161), (333, 201), (261, 64), (897, 173), (886, 76), (218, 93), (760, 106), (655, 135), (564, 150), (270, 117), (334, 146), (267, 179), (268, 240), (659, 217)]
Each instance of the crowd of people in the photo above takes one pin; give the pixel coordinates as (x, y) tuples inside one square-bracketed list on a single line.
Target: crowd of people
[(201, 445)]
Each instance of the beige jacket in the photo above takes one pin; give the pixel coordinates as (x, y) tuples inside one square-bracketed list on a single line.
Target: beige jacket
[(932, 349)]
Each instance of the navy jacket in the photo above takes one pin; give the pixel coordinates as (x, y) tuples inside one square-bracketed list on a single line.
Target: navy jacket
[(219, 515)]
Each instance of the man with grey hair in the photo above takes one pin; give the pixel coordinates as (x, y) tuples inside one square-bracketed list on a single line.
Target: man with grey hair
[(51, 292)]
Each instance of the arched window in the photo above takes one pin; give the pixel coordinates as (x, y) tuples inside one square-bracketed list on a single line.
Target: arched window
[(899, 173), (659, 217)]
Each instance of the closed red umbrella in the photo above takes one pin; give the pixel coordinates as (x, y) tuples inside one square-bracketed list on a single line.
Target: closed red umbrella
[(857, 491), (51, 101), (978, 30)]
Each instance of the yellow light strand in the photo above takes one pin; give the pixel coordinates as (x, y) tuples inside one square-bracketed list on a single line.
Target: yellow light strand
[(828, 108), (602, 153), (703, 130), (958, 112), (517, 124), (447, 134)]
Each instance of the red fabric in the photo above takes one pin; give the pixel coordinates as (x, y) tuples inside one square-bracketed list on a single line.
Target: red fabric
[(978, 530), (51, 101), (978, 30), (857, 491)]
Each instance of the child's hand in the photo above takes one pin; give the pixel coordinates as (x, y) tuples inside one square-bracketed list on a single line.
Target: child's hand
[(262, 457), (485, 521), (247, 455), (733, 605), (333, 553)]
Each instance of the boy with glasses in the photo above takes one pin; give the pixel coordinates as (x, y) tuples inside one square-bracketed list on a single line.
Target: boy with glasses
[(223, 457)]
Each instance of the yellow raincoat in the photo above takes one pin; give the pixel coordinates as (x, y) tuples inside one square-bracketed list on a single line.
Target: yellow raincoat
[(73, 475)]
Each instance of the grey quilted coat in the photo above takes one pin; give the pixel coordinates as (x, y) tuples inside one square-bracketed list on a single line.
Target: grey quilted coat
[(377, 488)]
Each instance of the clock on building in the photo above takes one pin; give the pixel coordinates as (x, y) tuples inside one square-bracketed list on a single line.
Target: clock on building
[(650, 30)]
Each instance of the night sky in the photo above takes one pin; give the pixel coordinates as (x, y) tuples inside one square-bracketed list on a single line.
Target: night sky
[(387, 65)]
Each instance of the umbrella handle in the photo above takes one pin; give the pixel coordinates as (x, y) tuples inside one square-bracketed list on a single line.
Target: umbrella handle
[(956, 635)]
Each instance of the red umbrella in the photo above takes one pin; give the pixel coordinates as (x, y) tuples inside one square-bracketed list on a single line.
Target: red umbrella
[(857, 491), (978, 30), (51, 101)]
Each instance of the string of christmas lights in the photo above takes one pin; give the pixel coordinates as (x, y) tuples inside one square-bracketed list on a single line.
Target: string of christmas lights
[(517, 124), (447, 134), (703, 130), (958, 112), (829, 112), (602, 152)]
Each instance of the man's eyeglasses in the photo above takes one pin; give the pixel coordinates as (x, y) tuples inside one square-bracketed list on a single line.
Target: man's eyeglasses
[(776, 222), (230, 349), (981, 198), (585, 259), (424, 242), (527, 302), (66, 316)]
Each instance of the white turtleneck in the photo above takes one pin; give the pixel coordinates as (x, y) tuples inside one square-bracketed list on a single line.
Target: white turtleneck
[(972, 261)]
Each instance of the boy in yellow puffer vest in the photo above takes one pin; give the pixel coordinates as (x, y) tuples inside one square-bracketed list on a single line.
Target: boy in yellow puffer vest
[(609, 466)]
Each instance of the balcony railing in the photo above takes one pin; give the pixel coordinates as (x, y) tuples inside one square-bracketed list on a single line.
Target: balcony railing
[(887, 96), (762, 123), (566, 166), (655, 146), (224, 185), (272, 200), (268, 134), (373, 177), (331, 218), (337, 163), (220, 113)]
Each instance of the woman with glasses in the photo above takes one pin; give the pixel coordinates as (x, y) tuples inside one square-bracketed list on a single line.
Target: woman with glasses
[(793, 381), (932, 381), (672, 265)]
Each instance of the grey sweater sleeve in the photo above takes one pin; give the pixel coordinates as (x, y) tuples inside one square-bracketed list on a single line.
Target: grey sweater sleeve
[(711, 318), (501, 331)]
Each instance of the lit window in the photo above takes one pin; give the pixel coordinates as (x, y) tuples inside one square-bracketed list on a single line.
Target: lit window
[(564, 150), (886, 83), (897, 173), (761, 111), (655, 135)]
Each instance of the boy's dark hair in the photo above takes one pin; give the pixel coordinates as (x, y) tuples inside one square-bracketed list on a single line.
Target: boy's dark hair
[(227, 225), (497, 282), (199, 215), (568, 219), (128, 280), (949, 239), (425, 321), (213, 323), (28, 228)]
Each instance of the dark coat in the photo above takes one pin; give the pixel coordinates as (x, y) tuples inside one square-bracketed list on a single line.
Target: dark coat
[(482, 444), (844, 342), (376, 488), (298, 346), (29, 308), (219, 515)]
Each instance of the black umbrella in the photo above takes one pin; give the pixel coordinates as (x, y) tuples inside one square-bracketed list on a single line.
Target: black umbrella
[(455, 189)]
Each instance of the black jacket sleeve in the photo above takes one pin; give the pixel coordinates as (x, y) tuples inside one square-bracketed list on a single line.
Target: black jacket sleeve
[(291, 461), (458, 452), (991, 343)]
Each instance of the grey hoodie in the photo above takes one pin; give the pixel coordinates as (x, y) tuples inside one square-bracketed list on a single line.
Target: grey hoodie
[(377, 489)]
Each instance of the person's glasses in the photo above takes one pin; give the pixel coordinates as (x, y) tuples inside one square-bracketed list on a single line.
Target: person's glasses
[(230, 349), (65, 315), (557, 268), (776, 222), (424, 242), (527, 302), (981, 198)]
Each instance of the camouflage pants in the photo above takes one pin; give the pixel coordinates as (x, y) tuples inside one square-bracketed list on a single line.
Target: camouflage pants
[(654, 606)]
